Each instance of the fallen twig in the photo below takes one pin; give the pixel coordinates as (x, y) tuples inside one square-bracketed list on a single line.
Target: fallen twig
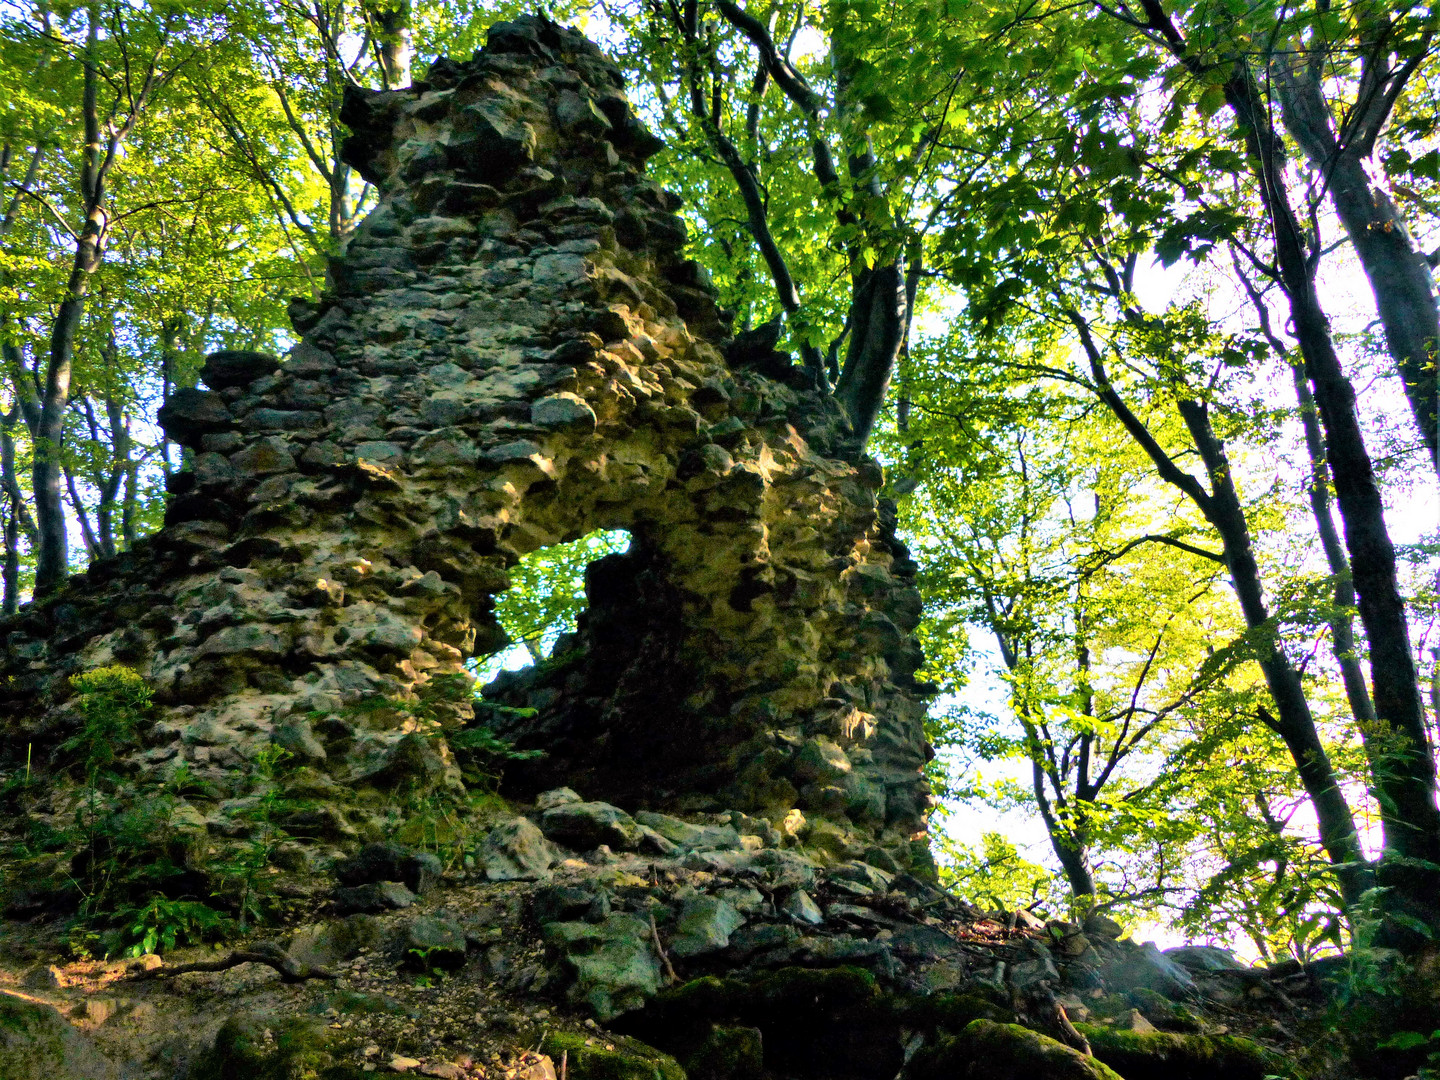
[(660, 950), (290, 969)]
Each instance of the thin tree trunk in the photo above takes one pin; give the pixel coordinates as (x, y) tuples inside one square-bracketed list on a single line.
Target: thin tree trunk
[(53, 556), (1398, 273), (1294, 722), (1405, 784), (1222, 509), (10, 574), (10, 477), (1070, 849), (114, 476), (390, 26), (128, 503), (1342, 628), (93, 550)]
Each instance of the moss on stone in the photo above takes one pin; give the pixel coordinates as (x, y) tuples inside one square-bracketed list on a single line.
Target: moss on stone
[(729, 1053), (586, 1058), (952, 1012), (1167, 1056), (986, 1050), (250, 1048), (807, 991), (37, 1043)]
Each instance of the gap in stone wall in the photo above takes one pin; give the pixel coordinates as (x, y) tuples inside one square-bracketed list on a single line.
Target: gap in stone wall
[(544, 601)]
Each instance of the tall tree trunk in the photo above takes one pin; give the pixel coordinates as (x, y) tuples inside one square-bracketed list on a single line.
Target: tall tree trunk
[(115, 474), (82, 518), (1293, 721), (390, 25), (10, 572), (1068, 842), (1404, 776), (1398, 273), (1405, 784), (1342, 628), (53, 555), (128, 503), (1222, 509), (10, 476), (878, 317)]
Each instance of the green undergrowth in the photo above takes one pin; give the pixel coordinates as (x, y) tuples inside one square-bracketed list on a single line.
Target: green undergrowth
[(139, 861)]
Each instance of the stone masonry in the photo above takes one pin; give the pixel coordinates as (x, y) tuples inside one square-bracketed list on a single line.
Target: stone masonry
[(513, 353)]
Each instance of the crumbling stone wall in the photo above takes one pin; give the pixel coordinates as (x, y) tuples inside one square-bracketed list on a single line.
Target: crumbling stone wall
[(515, 353)]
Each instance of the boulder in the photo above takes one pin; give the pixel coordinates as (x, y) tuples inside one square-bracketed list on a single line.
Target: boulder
[(1146, 967), (987, 1050), (236, 367), (191, 413), (419, 870), (614, 1059), (822, 761), (1203, 958), (613, 963), (563, 412), (330, 943), (691, 837), (517, 851), (586, 825), (558, 903), (862, 873), (704, 926), (431, 941), (266, 1046), (371, 899), (801, 908), (561, 796), (1157, 1055)]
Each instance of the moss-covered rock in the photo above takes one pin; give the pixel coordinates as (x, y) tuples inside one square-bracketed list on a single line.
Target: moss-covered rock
[(729, 1053), (810, 991), (251, 1048), (810, 1021), (986, 1050), (586, 1058), (37, 1043), (952, 1013), (1160, 1055)]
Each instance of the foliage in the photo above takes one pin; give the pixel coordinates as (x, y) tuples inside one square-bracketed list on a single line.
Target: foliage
[(113, 702), (240, 874), (547, 592), (163, 923)]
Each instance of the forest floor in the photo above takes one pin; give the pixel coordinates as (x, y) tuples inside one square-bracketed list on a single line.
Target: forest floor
[(479, 979)]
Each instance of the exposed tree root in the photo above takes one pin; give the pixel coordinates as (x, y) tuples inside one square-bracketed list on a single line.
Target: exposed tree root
[(267, 953)]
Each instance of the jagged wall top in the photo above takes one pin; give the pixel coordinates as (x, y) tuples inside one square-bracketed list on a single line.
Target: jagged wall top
[(463, 119)]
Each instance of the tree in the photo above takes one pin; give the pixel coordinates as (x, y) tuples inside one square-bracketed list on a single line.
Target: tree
[(1040, 521), (138, 58), (1338, 77), (1404, 769), (865, 232)]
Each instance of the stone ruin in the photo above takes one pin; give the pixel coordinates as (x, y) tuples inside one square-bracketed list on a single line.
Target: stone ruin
[(514, 352)]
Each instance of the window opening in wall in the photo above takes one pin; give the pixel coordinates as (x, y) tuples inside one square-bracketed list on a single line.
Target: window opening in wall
[(545, 598)]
